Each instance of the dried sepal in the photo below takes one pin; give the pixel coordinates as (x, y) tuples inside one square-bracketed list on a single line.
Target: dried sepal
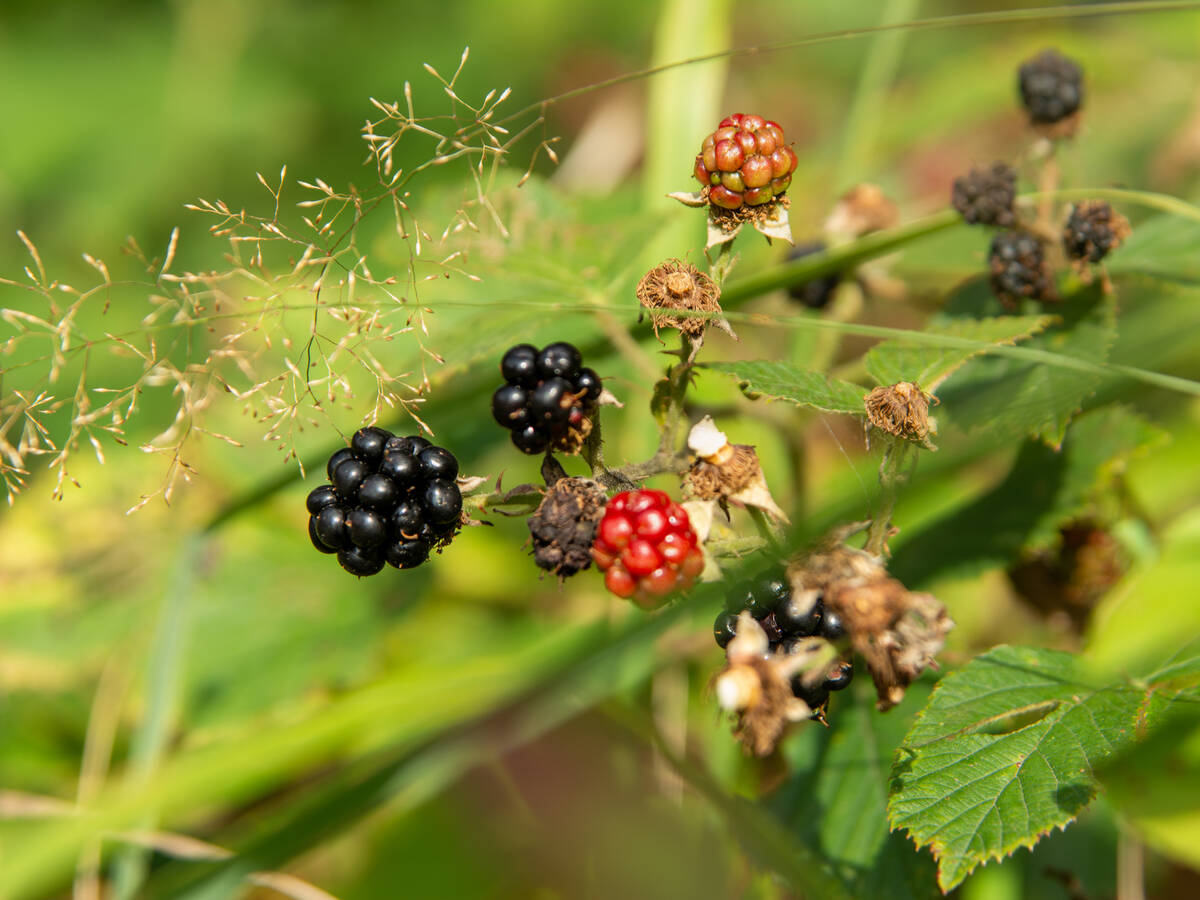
[(769, 219), (675, 284), (902, 410), (898, 632), (727, 472)]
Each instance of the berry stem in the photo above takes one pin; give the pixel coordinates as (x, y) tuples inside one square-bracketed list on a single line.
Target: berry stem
[(893, 472)]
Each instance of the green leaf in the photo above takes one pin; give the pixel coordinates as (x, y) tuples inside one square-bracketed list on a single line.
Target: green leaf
[(973, 795), (782, 381), (1043, 489), (894, 361)]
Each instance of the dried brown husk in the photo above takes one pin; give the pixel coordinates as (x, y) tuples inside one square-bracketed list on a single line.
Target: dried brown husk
[(675, 284), (901, 409), (564, 526)]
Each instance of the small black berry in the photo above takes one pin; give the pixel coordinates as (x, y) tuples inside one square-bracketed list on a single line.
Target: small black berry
[(367, 444), (560, 360), (366, 528), (442, 501), (377, 492), (406, 554), (407, 519), (815, 696), (831, 626), (336, 460), (816, 292), (531, 439), (588, 382), (360, 562), (321, 497), (986, 196), (316, 538), (546, 402), (416, 444), (331, 527), (1017, 263), (725, 628), (402, 468), (839, 676), (762, 601), (519, 365), (437, 462), (509, 406), (396, 444), (1051, 87), (347, 477), (799, 618), (1093, 230)]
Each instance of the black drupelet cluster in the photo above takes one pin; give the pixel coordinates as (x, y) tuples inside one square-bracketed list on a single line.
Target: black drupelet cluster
[(1093, 230), (985, 196), (816, 292), (1051, 87), (390, 500), (769, 600), (1017, 263), (548, 399)]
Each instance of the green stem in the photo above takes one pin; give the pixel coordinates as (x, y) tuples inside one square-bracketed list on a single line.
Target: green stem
[(892, 474)]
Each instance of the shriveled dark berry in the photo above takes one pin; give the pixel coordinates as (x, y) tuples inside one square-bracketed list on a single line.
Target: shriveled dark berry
[(771, 628), (725, 628), (839, 676), (402, 468), (546, 402), (985, 196), (407, 518), (367, 444), (1093, 230), (336, 460), (321, 497), (366, 528), (831, 625), (563, 526), (1051, 87), (519, 365), (816, 292), (531, 439), (377, 492), (510, 406), (360, 562), (347, 477), (437, 462), (442, 501), (1017, 263), (331, 527), (589, 383), (798, 617), (560, 360), (405, 554), (316, 538)]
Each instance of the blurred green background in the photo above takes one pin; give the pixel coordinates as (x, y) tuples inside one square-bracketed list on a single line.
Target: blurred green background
[(469, 729)]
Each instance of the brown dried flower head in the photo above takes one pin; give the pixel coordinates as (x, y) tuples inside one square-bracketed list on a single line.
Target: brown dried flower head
[(898, 632), (861, 210), (675, 284), (564, 525), (726, 472), (901, 409)]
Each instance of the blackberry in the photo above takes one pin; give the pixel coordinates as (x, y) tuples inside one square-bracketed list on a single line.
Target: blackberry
[(816, 292), (1093, 230), (832, 628), (392, 500), (724, 628), (549, 397), (745, 162), (1051, 87), (986, 196), (1017, 263)]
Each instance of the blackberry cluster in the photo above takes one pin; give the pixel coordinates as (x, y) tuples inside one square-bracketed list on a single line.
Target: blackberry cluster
[(986, 196), (1093, 230), (817, 292), (1017, 261), (769, 599), (745, 162), (548, 399), (1051, 87), (390, 499)]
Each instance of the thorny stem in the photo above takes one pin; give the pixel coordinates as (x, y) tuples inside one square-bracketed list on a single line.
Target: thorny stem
[(893, 472)]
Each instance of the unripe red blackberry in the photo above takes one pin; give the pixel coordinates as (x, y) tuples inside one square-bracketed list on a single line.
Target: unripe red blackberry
[(816, 292), (1018, 268), (745, 162), (646, 548), (549, 398), (985, 196), (1093, 230), (392, 499), (1051, 87)]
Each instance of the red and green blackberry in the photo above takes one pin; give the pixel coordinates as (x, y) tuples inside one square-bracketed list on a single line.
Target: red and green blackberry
[(548, 399), (985, 196), (646, 548), (1093, 230), (786, 619), (816, 292), (1018, 268), (745, 162), (1051, 87), (390, 500)]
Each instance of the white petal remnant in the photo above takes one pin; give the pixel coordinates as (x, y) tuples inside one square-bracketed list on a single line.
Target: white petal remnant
[(705, 439)]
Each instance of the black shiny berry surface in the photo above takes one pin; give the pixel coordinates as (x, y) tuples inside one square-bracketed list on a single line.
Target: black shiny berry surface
[(548, 397), (392, 500), (724, 628)]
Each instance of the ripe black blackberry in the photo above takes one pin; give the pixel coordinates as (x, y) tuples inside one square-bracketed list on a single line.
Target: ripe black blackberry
[(1018, 268), (1051, 87), (985, 196), (549, 397), (817, 292), (786, 619), (1093, 230), (390, 500)]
